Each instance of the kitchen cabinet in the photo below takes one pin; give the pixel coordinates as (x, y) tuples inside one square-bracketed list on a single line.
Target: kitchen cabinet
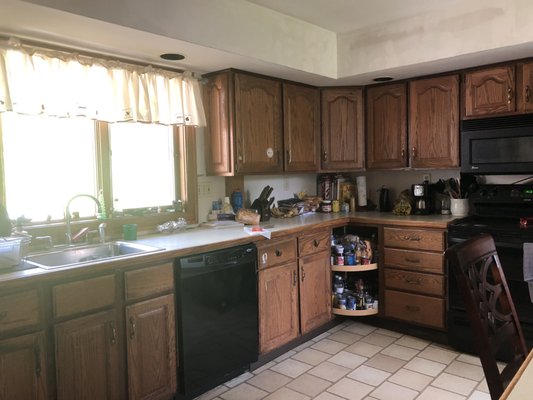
[(88, 338), (151, 332), (498, 90), (342, 129), (244, 124), (415, 278), (23, 368), (88, 358), (315, 279), (301, 128), (434, 122), (278, 293), (23, 352), (386, 126), (294, 287)]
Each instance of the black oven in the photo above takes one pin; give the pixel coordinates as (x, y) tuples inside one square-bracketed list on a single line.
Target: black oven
[(498, 210), (500, 145)]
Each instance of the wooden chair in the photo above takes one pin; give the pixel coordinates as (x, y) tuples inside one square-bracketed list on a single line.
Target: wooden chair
[(490, 308)]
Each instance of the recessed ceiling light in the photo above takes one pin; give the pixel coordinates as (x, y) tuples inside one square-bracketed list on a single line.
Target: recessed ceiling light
[(383, 79), (172, 56)]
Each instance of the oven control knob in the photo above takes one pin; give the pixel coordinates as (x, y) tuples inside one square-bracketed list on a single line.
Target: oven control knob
[(493, 193), (483, 193), (515, 193)]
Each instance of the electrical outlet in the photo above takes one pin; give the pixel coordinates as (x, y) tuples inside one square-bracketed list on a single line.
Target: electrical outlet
[(204, 189), (426, 177)]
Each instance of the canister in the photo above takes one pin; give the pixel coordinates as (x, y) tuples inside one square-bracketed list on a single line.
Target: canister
[(336, 207), (326, 206)]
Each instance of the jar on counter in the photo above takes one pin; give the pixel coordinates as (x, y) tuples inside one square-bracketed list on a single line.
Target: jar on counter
[(325, 206)]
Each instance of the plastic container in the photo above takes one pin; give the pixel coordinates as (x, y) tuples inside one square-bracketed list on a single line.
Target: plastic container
[(12, 249)]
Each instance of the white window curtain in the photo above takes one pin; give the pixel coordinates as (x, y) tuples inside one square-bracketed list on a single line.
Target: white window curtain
[(39, 81)]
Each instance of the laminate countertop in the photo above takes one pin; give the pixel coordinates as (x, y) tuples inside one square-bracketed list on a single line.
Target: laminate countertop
[(202, 239)]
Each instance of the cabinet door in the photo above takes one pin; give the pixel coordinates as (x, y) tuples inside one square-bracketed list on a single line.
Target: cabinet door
[(342, 129), (434, 122), (151, 349), (525, 87), (278, 306), (301, 128), (490, 92), (23, 368), (258, 130), (218, 132), (88, 360), (386, 140), (315, 291)]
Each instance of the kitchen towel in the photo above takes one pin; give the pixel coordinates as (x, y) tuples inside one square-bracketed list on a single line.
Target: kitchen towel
[(528, 267)]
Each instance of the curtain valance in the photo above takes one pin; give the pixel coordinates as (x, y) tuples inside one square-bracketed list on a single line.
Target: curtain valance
[(61, 84)]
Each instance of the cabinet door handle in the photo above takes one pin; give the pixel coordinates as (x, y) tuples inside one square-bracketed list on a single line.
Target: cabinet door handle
[(509, 95), (294, 278), (113, 333), (528, 93), (325, 156), (413, 260), (412, 308), (303, 274), (264, 258), (316, 243), (413, 152), (279, 253), (289, 156), (402, 153), (132, 328)]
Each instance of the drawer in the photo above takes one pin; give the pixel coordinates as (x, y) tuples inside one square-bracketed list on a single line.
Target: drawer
[(81, 296), (314, 243), (415, 308), (148, 281), (19, 310), (420, 261), (276, 252), (419, 239), (415, 282)]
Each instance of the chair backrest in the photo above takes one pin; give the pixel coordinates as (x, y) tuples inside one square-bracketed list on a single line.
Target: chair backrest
[(490, 308)]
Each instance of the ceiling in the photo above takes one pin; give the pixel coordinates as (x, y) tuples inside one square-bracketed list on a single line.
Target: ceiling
[(201, 34)]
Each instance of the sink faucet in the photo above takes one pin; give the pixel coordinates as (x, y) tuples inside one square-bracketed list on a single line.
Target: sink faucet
[(68, 217)]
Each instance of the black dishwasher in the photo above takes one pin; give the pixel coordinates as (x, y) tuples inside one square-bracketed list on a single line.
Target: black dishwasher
[(217, 316)]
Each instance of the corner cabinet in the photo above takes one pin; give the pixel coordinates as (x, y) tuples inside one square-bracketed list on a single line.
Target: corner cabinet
[(244, 124), (342, 129)]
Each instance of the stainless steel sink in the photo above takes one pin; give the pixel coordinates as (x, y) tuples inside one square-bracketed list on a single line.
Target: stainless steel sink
[(87, 254)]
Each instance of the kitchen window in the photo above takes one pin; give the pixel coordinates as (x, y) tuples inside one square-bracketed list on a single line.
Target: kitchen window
[(141, 168)]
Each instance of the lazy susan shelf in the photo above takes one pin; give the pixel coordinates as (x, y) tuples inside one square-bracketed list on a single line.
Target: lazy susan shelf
[(354, 268)]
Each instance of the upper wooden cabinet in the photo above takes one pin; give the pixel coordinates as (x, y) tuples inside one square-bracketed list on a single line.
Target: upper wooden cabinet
[(342, 129), (500, 90), (301, 128), (244, 124), (434, 122), (386, 126)]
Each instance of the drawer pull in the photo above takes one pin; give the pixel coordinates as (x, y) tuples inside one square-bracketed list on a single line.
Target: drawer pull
[(132, 328), (3, 315), (417, 281), (303, 274), (279, 253), (412, 308), (264, 258), (294, 279), (412, 238), (413, 260), (316, 243)]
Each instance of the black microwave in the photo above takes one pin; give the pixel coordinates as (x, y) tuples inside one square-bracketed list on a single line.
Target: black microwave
[(501, 145)]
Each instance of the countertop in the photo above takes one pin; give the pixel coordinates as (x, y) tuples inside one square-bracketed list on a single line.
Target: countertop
[(201, 239)]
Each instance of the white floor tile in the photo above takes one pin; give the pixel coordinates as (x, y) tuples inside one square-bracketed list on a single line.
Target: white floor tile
[(329, 346), (438, 354), (347, 359), (411, 379), (263, 367), (350, 389), (369, 375), (401, 352), (364, 349), (309, 385), (284, 356), (292, 368), (427, 367), (415, 343), (240, 379), (329, 371), (469, 358), (345, 337), (321, 336), (378, 339), (244, 392), (389, 333), (454, 384), (390, 391), (287, 394), (311, 356), (359, 328), (385, 363), (213, 393), (477, 395), (433, 393), (328, 396), (269, 380), (465, 370)]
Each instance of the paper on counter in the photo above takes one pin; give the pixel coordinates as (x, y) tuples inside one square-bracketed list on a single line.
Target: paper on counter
[(257, 230)]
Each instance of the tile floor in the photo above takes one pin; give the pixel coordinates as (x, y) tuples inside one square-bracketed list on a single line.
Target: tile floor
[(354, 361)]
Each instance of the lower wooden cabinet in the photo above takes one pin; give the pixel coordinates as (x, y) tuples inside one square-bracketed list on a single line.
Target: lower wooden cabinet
[(278, 306), (88, 361), (315, 290), (151, 347), (23, 368)]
